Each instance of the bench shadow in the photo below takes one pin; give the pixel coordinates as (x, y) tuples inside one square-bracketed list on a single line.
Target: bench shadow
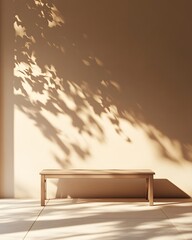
[(164, 188), (116, 188)]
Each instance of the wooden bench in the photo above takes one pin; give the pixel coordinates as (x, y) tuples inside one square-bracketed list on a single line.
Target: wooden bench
[(111, 173)]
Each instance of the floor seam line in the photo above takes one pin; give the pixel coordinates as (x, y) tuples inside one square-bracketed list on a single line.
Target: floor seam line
[(35, 220), (170, 220)]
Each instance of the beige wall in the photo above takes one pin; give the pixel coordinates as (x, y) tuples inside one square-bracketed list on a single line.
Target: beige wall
[(6, 103), (97, 84)]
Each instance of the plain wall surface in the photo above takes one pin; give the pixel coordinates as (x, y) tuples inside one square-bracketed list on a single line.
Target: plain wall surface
[(6, 99), (96, 84)]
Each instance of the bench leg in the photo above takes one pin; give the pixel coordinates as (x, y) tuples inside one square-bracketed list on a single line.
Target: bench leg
[(147, 189), (150, 190), (43, 190)]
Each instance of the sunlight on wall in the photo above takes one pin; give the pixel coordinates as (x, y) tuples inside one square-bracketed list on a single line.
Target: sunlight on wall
[(72, 110), (90, 150)]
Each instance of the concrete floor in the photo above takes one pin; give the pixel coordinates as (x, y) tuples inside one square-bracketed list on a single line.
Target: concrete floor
[(96, 219)]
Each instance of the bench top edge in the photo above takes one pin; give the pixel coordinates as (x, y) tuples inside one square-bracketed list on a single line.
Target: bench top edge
[(96, 171)]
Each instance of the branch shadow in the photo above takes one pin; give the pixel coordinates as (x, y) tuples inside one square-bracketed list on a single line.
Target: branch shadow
[(82, 60), (111, 220)]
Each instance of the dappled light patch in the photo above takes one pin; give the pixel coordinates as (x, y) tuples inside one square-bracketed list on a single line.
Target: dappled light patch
[(77, 83)]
